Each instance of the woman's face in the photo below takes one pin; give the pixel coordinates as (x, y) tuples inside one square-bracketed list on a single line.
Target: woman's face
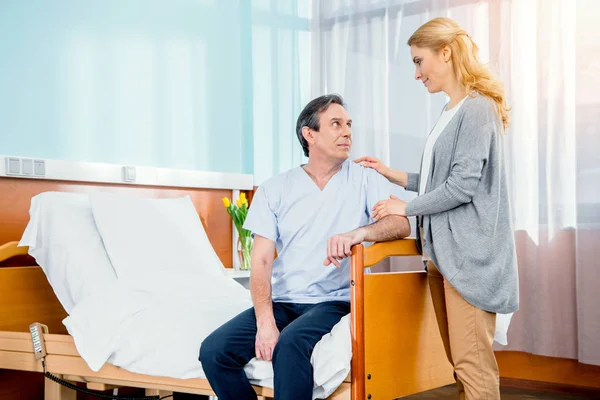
[(434, 70)]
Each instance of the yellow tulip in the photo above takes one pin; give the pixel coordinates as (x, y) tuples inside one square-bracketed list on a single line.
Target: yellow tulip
[(243, 197), (238, 203), (226, 202)]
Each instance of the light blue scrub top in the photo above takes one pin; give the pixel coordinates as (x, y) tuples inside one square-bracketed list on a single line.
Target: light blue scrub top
[(293, 212)]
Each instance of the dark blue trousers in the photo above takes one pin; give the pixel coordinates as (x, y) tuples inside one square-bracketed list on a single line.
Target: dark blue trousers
[(226, 351)]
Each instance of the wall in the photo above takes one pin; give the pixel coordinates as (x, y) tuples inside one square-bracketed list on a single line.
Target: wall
[(144, 82)]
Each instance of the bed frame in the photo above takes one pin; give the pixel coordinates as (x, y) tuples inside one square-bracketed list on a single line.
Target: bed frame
[(397, 349)]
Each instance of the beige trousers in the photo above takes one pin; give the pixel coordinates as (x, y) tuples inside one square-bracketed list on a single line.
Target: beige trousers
[(468, 334)]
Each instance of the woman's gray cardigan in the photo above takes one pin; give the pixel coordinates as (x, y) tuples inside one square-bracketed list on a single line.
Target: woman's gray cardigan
[(465, 210)]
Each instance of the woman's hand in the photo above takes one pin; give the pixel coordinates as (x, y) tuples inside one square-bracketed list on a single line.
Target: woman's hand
[(392, 206), (375, 163), (396, 177)]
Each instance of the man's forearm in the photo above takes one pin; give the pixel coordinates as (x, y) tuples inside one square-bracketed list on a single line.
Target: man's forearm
[(260, 289), (391, 227)]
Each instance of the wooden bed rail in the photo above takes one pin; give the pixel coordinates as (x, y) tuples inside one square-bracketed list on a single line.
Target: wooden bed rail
[(381, 250), (25, 294), (362, 258), (396, 346), (11, 249), (357, 317)]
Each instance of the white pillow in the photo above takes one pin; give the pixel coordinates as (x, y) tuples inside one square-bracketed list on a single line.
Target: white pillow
[(63, 239), (150, 235)]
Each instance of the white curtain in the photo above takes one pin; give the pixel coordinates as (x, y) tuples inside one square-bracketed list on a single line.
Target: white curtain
[(546, 53), (280, 81)]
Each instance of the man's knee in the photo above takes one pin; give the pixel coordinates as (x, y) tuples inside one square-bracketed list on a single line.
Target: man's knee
[(290, 345), (211, 350)]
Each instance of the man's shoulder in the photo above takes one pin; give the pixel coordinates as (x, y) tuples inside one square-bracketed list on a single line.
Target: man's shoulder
[(365, 174), (278, 182)]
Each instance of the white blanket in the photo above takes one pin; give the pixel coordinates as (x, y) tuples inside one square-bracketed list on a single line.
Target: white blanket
[(156, 324)]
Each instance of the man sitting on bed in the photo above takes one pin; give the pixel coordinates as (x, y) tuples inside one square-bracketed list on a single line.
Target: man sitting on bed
[(302, 294)]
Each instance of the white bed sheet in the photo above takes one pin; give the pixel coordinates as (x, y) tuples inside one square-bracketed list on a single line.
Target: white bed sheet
[(155, 326)]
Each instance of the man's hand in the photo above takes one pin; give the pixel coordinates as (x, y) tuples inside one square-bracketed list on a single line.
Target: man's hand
[(340, 246), (266, 339)]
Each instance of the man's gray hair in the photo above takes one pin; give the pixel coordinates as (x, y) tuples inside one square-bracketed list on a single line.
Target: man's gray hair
[(310, 115)]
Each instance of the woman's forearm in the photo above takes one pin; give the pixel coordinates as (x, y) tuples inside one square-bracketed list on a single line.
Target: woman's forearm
[(397, 177)]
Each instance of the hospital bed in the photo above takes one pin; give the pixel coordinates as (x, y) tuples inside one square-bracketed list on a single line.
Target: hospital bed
[(396, 346)]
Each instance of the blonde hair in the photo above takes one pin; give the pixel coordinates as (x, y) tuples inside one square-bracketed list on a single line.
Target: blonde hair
[(471, 72)]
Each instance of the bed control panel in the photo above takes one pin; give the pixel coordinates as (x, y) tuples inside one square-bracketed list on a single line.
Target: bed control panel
[(37, 331)]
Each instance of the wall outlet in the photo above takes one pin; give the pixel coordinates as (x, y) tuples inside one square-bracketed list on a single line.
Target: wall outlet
[(13, 166), (39, 167), (129, 174), (27, 166)]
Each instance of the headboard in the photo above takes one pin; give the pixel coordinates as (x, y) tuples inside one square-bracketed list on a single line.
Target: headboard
[(16, 194), (27, 289)]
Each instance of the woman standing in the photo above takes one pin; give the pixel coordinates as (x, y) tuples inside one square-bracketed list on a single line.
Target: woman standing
[(462, 208)]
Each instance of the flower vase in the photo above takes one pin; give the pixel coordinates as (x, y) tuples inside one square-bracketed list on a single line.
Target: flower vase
[(245, 252)]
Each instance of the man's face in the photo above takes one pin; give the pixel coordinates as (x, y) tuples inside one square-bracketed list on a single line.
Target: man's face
[(334, 138)]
